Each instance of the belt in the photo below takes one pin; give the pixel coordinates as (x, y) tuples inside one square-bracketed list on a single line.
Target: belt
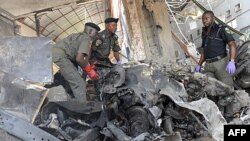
[(210, 60)]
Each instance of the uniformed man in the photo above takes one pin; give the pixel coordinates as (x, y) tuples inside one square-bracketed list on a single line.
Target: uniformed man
[(104, 42), (214, 41), (72, 50)]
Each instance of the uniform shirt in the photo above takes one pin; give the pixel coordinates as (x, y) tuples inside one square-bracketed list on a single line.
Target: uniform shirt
[(77, 42), (103, 44), (214, 44)]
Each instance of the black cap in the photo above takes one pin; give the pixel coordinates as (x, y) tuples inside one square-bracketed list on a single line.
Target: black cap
[(110, 20), (93, 25)]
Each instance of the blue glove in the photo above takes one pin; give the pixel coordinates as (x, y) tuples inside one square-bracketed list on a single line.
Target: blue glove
[(119, 62), (197, 68), (231, 67)]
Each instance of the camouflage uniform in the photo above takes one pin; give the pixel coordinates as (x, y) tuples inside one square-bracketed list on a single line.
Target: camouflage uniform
[(100, 50), (64, 54), (101, 47)]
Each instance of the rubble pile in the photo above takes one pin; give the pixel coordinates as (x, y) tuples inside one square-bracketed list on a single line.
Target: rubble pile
[(143, 102), (131, 102), (242, 74)]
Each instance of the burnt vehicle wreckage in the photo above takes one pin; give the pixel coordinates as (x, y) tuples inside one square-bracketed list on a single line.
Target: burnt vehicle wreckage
[(133, 102)]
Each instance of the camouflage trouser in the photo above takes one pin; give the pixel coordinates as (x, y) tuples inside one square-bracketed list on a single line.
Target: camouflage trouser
[(217, 70), (70, 74), (98, 84)]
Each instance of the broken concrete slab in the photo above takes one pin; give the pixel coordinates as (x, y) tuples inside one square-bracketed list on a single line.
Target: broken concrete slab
[(28, 58), (209, 110), (19, 98)]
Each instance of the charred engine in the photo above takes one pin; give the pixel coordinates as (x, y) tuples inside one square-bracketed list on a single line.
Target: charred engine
[(135, 103), (141, 102), (135, 106)]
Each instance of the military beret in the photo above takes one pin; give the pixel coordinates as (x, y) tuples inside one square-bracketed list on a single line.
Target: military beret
[(110, 20), (93, 25)]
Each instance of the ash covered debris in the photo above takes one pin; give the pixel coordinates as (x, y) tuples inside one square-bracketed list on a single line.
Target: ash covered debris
[(137, 102), (143, 101)]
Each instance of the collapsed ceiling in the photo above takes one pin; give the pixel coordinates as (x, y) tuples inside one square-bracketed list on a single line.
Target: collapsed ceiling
[(56, 19), (21, 7)]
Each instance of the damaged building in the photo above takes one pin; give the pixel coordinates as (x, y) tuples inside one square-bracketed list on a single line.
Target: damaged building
[(153, 94)]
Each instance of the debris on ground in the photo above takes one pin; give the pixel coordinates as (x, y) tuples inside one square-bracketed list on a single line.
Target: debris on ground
[(131, 102)]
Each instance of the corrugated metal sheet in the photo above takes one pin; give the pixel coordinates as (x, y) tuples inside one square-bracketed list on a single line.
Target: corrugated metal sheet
[(61, 22)]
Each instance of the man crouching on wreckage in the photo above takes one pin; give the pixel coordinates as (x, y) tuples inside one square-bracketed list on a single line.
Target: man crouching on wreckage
[(73, 51), (105, 42)]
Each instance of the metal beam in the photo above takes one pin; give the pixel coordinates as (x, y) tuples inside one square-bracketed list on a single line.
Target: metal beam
[(37, 22), (77, 15), (57, 24), (56, 19), (42, 10), (87, 2), (49, 33), (88, 13), (73, 24), (98, 11), (6, 14), (217, 19), (68, 20), (23, 129), (31, 26), (105, 8)]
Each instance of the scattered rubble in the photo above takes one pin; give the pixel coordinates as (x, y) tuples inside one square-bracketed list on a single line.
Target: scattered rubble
[(131, 102), (143, 102)]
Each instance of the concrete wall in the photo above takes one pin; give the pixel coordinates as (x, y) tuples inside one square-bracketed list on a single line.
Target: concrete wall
[(134, 28), (242, 16), (150, 31)]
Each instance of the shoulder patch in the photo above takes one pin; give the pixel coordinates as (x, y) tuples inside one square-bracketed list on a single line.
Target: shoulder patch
[(98, 42)]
